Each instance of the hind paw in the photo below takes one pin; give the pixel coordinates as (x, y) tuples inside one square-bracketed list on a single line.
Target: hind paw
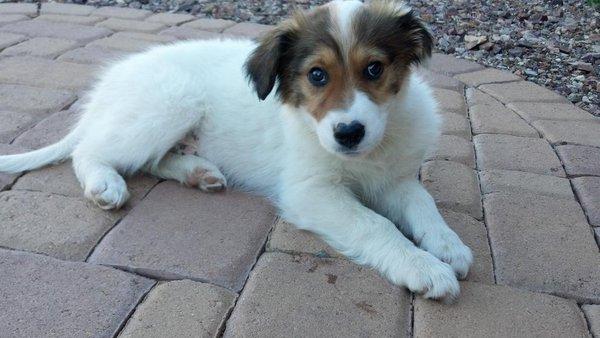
[(109, 192), (206, 180)]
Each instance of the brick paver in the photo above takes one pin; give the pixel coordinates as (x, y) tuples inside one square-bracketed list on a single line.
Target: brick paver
[(533, 233), (45, 297), (323, 296), (516, 153), (178, 231), (499, 311), (181, 309)]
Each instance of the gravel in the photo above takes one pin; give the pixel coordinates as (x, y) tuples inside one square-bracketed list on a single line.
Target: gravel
[(554, 43)]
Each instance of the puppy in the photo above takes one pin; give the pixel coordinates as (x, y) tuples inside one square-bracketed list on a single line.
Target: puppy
[(337, 146)]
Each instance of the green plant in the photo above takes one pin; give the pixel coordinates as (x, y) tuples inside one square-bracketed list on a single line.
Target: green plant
[(594, 2)]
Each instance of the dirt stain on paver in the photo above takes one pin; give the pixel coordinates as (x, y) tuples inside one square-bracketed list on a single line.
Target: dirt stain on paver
[(368, 308), (331, 279)]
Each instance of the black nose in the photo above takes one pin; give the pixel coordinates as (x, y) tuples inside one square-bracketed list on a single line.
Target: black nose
[(349, 135)]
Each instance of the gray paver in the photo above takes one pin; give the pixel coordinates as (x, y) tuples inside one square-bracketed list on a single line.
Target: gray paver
[(450, 101), (588, 191), (6, 180), (13, 124), (121, 12), (248, 29), (454, 148), (42, 47), (171, 19), (286, 237), (519, 181), (453, 186), (65, 9), (473, 233), (592, 313), (124, 43), (18, 8), (573, 132), (61, 30), (131, 25), (63, 227), (516, 153), (521, 91), (181, 309), (580, 160), (32, 100), (211, 25), (47, 131), (72, 19), (45, 297), (533, 111), (184, 33), (488, 75), (8, 18), (93, 55), (449, 64), (178, 231), (45, 73), (9, 39), (499, 311), (323, 296), (543, 244), (438, 80), (488, 116), (456, 124)]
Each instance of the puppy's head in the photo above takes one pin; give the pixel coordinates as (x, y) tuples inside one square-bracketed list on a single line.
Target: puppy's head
[(342, 65)]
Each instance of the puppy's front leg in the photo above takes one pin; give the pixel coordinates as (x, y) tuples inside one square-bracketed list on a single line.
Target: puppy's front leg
[(358, 232), (410, 206)]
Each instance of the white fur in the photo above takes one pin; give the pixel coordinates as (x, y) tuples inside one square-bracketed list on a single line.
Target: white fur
[(143, 105)]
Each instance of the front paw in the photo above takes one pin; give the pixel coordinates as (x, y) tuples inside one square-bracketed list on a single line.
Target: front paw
[(449, 249), (431, 277)]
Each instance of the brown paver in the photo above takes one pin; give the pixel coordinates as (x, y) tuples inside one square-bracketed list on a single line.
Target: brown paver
[(73, 19), (456, 124), (61, 30), (8, 18), (121, 12), (184, 33), (6, 180), (178, 231), (170, 19), (488, 116), (47, 131), (453, 186), (63, 227), (533, 111), (487, 75), (181, 309), (286, 237), (438, 80), (13, 124), (580, 160), (45, 73), (543, 244), (448, 64), (65, 9), (574, 132), (131, 25), (211, 25), (592, 313), (450, 101), (323, 296), (473, 233), (42, 47), (588, 191), (124, 43), (92, 55), (518, 181), (454, 148), (248, 29), (45, 297), (9, 39), (521, 91), (36, 101), (499, 311), (19, 8), (516, 153)]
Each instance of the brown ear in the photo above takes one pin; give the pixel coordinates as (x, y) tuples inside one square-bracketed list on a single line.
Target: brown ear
[(418, 42), (264, 64)]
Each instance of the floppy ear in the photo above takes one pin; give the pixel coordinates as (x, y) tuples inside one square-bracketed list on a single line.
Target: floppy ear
[(264, 64), (418, 42)]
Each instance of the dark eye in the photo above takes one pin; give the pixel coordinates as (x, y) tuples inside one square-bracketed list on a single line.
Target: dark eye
[(373, 70), (317, 77)]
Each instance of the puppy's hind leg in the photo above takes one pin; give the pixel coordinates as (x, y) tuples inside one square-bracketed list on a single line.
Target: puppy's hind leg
[(102, 184), (190, 170)]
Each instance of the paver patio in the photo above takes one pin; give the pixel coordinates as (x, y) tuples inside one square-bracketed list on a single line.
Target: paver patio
[(517, 175)]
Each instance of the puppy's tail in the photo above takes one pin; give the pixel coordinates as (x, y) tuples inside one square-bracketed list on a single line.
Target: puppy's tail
[(38, 158)]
